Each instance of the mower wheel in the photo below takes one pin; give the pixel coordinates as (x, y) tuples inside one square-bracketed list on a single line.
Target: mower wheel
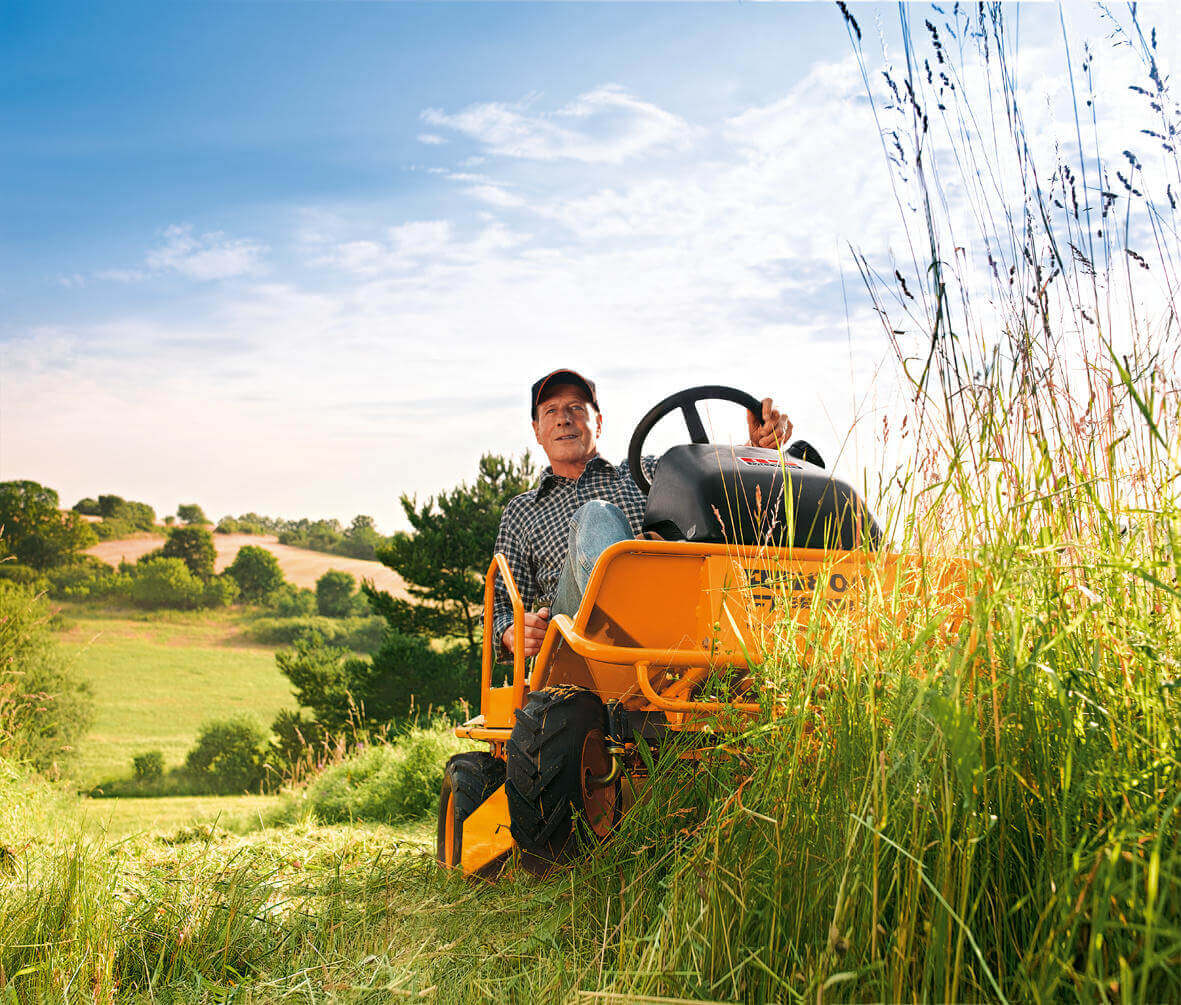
[(468, 780), (556, 754)]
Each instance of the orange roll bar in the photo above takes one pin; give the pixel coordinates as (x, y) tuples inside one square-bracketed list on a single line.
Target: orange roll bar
[(500, 564)]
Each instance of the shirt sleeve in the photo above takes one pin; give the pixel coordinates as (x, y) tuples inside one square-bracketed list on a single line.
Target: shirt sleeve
[(509, 543), (648, 464)]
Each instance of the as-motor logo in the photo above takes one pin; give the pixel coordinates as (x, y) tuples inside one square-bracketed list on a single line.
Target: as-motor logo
[(798, 588)]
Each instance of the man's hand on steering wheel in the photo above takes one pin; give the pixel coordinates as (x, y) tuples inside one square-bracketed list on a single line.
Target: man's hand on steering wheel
[(772, 431)]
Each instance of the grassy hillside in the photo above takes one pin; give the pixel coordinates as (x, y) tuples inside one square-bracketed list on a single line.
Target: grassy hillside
[(155, 681)]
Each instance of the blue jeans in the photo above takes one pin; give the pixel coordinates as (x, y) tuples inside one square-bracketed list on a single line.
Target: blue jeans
[(595, 526)]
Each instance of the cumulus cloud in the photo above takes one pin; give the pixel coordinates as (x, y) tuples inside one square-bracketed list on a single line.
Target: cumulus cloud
[(607, 125)]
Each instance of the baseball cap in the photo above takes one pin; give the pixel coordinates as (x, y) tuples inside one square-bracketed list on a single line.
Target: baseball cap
[(562, 377)]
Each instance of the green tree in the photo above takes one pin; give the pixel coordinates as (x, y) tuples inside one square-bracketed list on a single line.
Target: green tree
[(334, 594), (35, 531), (190, 513), (362, 540), (445, 557), (108, 505), (87, 507), (256, 571), (193, 545)]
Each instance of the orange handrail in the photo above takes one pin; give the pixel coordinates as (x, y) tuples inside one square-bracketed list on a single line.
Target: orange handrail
[(500, 564)]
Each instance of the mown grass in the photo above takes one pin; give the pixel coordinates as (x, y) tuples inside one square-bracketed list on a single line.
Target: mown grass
[(155, 681), (117, 818)]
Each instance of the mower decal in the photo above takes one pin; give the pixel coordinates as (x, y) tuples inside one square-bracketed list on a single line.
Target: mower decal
[(769, 462)]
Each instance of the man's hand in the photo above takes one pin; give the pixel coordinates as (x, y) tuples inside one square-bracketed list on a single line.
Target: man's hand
[(535, 626), (774, 430)]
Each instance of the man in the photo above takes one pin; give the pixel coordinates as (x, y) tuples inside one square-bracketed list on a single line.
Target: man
[(552, 534)]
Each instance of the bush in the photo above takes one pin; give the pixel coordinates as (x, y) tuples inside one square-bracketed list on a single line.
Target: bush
[(219, 591), (194, 546), (357, 634), (387, 783), (166, 582), (14, 572), (257, 572), (44, 707), (89, 577), (291, 601), (148, 766), (112, 529), (87, 507), (230, 755), (334, 594)]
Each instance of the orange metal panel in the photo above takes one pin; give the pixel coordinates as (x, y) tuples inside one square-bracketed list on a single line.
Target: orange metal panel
[(486, 833)]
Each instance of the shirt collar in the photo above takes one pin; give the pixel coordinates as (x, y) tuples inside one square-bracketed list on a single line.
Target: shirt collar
[(549, 479)]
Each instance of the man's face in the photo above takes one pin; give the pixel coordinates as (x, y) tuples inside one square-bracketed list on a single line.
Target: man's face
[(567, 425)]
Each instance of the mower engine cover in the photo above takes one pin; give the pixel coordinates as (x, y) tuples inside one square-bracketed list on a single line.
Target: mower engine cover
[(714, 494)]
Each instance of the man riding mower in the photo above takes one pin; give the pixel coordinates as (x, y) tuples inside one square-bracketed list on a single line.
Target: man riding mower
[(736, 539)]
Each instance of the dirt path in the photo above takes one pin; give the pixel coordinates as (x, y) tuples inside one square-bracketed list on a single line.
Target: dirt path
[(299, 565)]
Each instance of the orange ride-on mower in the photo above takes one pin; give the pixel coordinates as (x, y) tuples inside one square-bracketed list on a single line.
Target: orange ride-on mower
[(748, 537)]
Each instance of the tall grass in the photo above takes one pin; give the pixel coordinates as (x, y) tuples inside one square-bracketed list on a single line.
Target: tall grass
[(981, 808)]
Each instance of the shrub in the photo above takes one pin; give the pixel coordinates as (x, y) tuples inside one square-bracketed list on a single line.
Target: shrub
[(14, 572), (387, 783), (357, 634), (298, 744), (166, 582), (291, 601), (148, 766), (334, 594), (230, 754), (219, 591), (86, 578), (112, 529), (256, 572), (109, 504), (193, 545), (44, 706), (87, 507)]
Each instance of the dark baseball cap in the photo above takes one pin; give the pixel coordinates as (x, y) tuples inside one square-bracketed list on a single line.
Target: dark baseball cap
[(562, 377)]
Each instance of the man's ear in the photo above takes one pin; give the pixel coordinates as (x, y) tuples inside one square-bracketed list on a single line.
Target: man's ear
[(598, 422), (537, 432)]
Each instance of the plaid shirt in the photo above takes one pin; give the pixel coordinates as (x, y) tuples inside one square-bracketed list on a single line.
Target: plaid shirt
[(535, 530)]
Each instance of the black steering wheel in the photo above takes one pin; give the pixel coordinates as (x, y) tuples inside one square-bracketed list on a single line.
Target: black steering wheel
[(686, 401)]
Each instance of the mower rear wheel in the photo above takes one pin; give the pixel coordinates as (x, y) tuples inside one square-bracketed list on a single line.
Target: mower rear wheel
[(468, 780), (556, 754)]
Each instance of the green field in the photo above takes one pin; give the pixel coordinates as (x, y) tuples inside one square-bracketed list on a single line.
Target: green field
[(168, 814), (155, 681)]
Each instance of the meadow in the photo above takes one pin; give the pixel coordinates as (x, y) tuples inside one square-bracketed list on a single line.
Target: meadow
[(157, 679)]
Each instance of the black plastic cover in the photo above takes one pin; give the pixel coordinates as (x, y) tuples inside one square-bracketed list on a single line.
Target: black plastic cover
[(748, 495)]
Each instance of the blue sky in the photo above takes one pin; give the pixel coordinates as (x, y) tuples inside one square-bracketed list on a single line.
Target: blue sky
[(300, 258)]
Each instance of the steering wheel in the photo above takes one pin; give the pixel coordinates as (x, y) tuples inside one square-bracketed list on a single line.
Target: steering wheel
[(686, 401)]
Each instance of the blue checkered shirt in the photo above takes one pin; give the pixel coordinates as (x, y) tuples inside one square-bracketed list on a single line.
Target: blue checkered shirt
[(535, 530)]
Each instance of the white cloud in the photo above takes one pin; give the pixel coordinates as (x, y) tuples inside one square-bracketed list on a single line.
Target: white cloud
[(605, 126), (431, 139), (204, 257)]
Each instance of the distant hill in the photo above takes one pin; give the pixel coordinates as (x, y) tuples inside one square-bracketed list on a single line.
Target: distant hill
[(299, 565)]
